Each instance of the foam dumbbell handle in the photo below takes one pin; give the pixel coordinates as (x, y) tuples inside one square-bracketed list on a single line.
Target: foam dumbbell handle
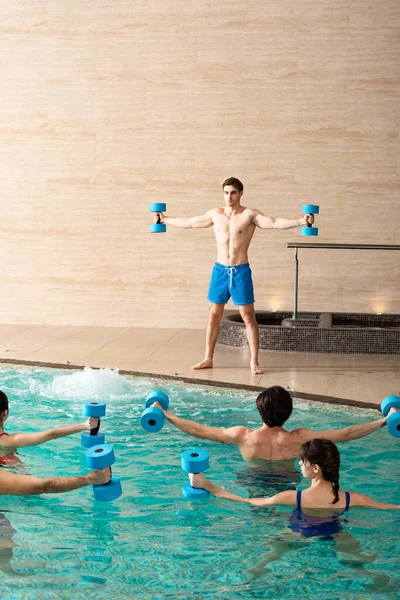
[(309, 230), (95, 430), (108, 491), (158, 227), (94, 438), (157, 396), (194, 460), (100, 457), (388, 403), (393, 424), (152, 419), (94, 409)]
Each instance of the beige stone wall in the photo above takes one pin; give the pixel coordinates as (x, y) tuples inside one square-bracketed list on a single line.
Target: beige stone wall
[(108, 106)]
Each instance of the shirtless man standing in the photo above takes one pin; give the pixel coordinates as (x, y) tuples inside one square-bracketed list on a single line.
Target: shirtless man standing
[(234, 226)]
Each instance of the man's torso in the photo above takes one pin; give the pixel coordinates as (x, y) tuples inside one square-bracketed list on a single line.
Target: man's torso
[(233, 235), (261, 445)]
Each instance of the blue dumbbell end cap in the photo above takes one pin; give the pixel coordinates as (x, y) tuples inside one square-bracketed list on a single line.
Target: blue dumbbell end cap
[(152, 420), (309, 231), (110, 491), (195, 460), (94, 409), (88, 441), (157, 396), (100, 457), (310, 209), (190, 492), (393, 424), (158, 228), (388, 403), (158, 207)]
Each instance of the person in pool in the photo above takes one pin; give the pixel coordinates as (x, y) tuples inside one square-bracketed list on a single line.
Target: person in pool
[(319, 510), (9, 443), (319, 462), (234, 227), (271, 442)]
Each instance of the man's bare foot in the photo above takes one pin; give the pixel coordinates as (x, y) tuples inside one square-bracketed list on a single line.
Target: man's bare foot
[(255, 369), (207, 363)]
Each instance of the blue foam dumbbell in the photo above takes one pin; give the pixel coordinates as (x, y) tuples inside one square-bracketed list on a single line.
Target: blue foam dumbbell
[(194, 460), (101, 457), (309, 209), (94, 438), (393, 422), (152, 419), (158, 227)]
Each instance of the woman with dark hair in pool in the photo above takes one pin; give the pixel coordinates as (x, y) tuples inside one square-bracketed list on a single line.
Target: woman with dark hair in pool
[(319, 462), (319, 510), (9, 443)]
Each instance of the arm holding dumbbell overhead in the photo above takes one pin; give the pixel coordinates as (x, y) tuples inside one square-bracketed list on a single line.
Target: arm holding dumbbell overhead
[(26, 485), (264, 222), (23, 440)]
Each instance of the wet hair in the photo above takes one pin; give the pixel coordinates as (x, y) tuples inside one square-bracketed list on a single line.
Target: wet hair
[(325, 454), (3, 403), (236, 183), (275, 406)]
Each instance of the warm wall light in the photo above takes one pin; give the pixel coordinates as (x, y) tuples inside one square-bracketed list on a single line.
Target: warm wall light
[(379, 308), (275, 304)]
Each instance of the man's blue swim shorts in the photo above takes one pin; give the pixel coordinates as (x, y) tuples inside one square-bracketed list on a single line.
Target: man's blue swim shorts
[(235, 282)]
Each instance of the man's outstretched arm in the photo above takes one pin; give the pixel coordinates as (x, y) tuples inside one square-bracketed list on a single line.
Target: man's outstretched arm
[(264, 222), (346, 434), (201, 222), (230, 435)]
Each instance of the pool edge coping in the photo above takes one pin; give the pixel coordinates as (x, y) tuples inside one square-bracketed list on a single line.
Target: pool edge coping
[(208, 382)]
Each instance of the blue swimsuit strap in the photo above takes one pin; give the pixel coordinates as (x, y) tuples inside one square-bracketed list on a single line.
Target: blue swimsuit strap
[(298, 500)]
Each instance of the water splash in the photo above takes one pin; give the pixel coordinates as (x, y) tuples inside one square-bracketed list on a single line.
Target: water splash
[(89, 384)]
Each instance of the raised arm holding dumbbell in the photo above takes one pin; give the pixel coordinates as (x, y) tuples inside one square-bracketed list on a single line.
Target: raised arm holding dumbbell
[(234, 226)]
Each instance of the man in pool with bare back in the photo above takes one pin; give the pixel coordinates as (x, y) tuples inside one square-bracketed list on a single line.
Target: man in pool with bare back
[(234, 226), (271, 442), (271, 448)]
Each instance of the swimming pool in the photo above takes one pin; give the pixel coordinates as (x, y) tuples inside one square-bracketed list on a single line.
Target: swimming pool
[(152, 543)]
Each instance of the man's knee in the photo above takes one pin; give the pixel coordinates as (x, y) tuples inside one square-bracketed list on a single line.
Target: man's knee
[(216, 312), (249, 317)]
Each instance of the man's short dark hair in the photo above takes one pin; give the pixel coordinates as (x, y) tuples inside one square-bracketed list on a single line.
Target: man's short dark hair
[(3, 402), (236, 183), (275, 406)]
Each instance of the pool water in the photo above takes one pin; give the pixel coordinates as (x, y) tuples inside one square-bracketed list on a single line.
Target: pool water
[(152, 542)]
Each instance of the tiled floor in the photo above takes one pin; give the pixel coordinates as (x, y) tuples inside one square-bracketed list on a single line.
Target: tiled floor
[(171, 352)]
